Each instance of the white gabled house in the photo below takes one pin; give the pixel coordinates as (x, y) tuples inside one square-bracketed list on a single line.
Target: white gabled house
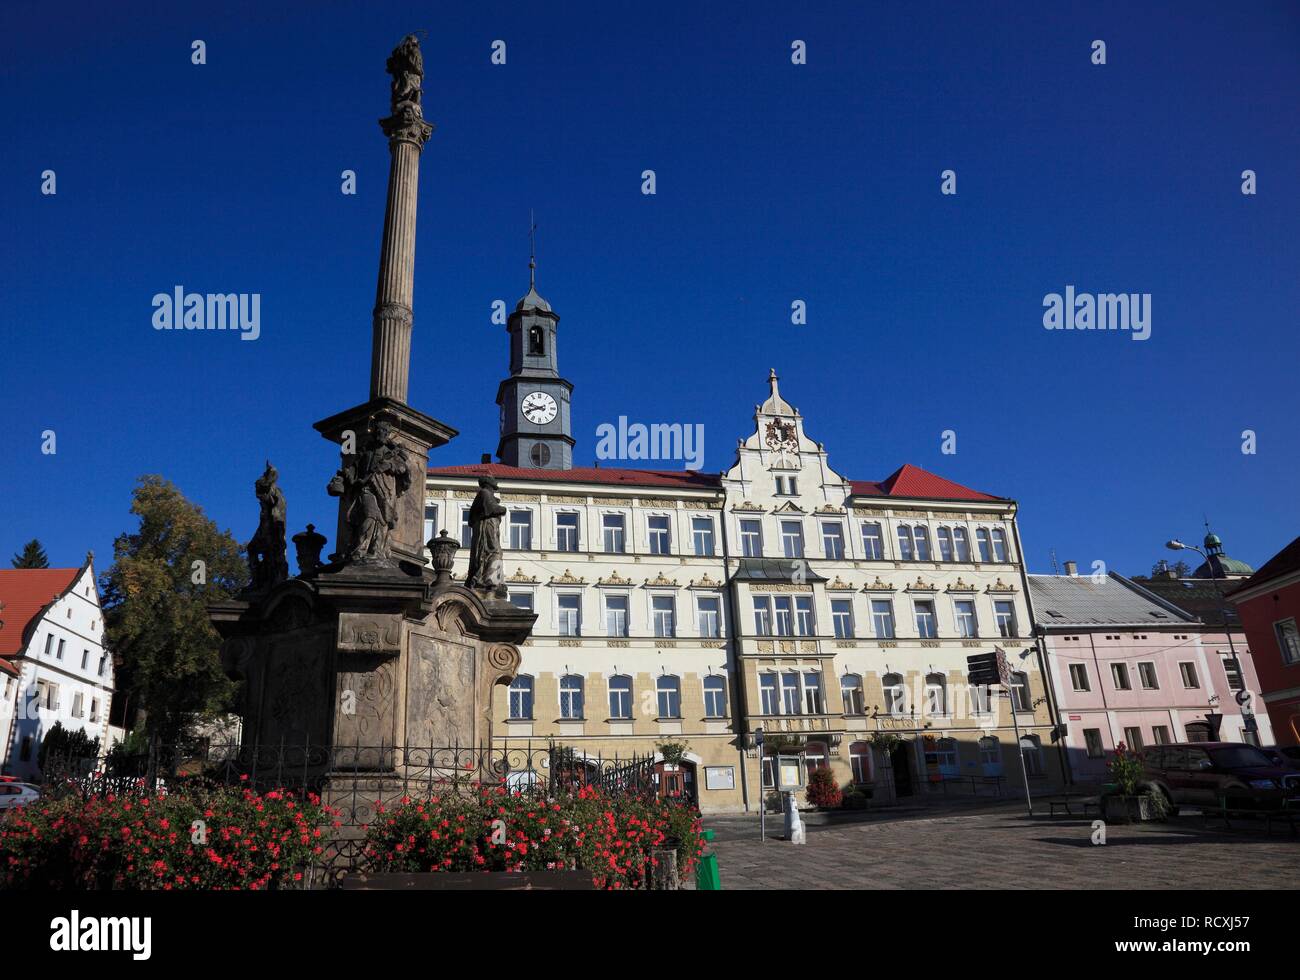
[(54, 666)]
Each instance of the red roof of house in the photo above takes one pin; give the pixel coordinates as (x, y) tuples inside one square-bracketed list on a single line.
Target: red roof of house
[(906, 481), (25, 592)]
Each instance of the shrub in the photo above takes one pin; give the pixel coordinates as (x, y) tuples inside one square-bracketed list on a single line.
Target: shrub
[(223, 838), (1125, 770), (823, 790), (484, 828)]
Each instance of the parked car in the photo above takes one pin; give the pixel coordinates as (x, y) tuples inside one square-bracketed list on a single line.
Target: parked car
[(17, 794), (1286, 756), (1213, 774)]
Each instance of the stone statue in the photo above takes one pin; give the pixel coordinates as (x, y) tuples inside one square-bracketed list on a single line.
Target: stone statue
[(266, 561), (370, 485), (406, 65), (485, 571)]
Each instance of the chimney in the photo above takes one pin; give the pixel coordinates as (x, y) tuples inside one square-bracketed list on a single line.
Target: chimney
[(1072, 569), (485, 458)]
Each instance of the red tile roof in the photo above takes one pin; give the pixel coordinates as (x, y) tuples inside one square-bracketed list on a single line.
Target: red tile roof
[(912, 481), (907, 481), (25, 592)]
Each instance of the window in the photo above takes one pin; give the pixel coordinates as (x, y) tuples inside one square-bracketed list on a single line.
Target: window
[(523, 600), (1020, 700), (466, 532), (571, 697), (790, 692), (925, 624), (103, 663), (1079, 677), (981, 700), (851, 694), (941, 754), (904, 543), (982, 544), (536, 342), (85, 658), (1288, 641), (566, 532), (999, 545), (842, 618), (540, 454), (708, 609), (944, 536), (668, 690), (762, 616), (833, 539), (1092, 739), (49, 643), (783, 619), (1119, 673), (873, 544), (967, 627), (860, 763), (1005, 613), (882, 618), (1147, 676), (570, 614), (94, 709), (961, 544), (616, 615), (664, 610), (62, 644), (921, 539), (803, 615), (1133, 739), (660, 538), (615, 530), (895, 694), (991, 755), (1161, 734), (620, 698), (521, 530), (521, 698), (812, 692), (936, 694), (751, 539), (1031, 752), (76, 704), (792, 539), (1188, 671), (767, 692), (787, 486), (702, 535), (715, 696), (430, 522), (1232, 672)]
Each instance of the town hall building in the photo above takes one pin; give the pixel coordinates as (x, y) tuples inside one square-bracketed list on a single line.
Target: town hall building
[(681, 608)]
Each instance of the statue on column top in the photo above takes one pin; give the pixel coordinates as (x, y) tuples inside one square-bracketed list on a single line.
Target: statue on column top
[(406, 65), (266, 561), (370, 484)]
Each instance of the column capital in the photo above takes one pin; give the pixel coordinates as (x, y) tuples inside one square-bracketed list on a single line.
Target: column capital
[(407, 125)]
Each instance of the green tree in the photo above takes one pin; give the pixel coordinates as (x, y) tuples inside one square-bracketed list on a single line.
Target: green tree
[(155, 599), (1179, 568), (32, 556)]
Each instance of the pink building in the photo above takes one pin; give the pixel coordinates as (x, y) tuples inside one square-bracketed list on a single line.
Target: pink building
[(1129, 666)]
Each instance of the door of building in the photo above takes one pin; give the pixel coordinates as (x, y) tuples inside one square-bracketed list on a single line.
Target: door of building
[(901, 762)]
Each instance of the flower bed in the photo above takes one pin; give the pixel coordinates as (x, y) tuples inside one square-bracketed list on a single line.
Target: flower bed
[(493, 829), (222, 838)]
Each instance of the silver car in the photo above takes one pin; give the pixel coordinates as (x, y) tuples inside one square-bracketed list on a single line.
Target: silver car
[(17, 794)]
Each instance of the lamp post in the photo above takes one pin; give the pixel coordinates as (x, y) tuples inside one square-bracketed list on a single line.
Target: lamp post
[(1176, 545)]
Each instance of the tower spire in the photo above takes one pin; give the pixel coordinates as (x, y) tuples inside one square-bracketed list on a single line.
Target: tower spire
[(532, 249)]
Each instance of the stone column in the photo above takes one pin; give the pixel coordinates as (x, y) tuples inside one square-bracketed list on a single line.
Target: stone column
[(390, 354)]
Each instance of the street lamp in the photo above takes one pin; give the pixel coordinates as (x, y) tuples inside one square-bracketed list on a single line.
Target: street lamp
[(1175, 545)]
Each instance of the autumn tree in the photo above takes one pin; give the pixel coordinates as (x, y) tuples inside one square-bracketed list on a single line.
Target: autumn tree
[(155, 599)]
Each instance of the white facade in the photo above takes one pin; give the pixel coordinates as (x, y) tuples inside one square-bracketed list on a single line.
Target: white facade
[(65, 675)]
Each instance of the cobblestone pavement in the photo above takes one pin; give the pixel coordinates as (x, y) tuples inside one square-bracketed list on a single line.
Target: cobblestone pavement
[(1001, 847)]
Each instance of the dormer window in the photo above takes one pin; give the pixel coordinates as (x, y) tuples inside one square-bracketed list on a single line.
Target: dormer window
[(536, 342)]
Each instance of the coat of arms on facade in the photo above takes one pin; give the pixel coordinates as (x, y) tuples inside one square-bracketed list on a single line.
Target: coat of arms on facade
[(781, 437)]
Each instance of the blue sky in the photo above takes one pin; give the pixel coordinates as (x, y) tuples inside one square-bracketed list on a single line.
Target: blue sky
[(775, 182)]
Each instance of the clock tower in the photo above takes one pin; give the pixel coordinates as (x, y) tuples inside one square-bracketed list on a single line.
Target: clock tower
[(534, 400)]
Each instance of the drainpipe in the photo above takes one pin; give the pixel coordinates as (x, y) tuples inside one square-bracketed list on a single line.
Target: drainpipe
[(739, 709)]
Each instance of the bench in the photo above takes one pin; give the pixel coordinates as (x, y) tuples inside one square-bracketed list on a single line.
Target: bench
[(1064, 802), (1287, 812)]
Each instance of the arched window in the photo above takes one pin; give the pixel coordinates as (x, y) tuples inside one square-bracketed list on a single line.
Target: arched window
[(895, 695), (960, 544), (999, 545), (521, 698), (921, 538), (851, 693), (944, 536), (669, 690), (1032, 750), (904, 543), (715, 696), (936, 694), (861, 763), (941, 757), (982, 544), (991, 755), (536, 342), (571, 697), (620, 697)]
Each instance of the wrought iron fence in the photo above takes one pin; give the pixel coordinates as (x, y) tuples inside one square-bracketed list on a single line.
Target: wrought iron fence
[(355, 781)]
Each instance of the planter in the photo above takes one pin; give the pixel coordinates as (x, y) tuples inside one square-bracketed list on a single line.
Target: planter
[(1127, 809)]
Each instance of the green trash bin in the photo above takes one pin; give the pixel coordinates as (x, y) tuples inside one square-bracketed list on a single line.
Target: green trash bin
[(706, 871)]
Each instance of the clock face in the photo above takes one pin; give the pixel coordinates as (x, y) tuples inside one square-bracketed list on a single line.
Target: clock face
[(539, 407)]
